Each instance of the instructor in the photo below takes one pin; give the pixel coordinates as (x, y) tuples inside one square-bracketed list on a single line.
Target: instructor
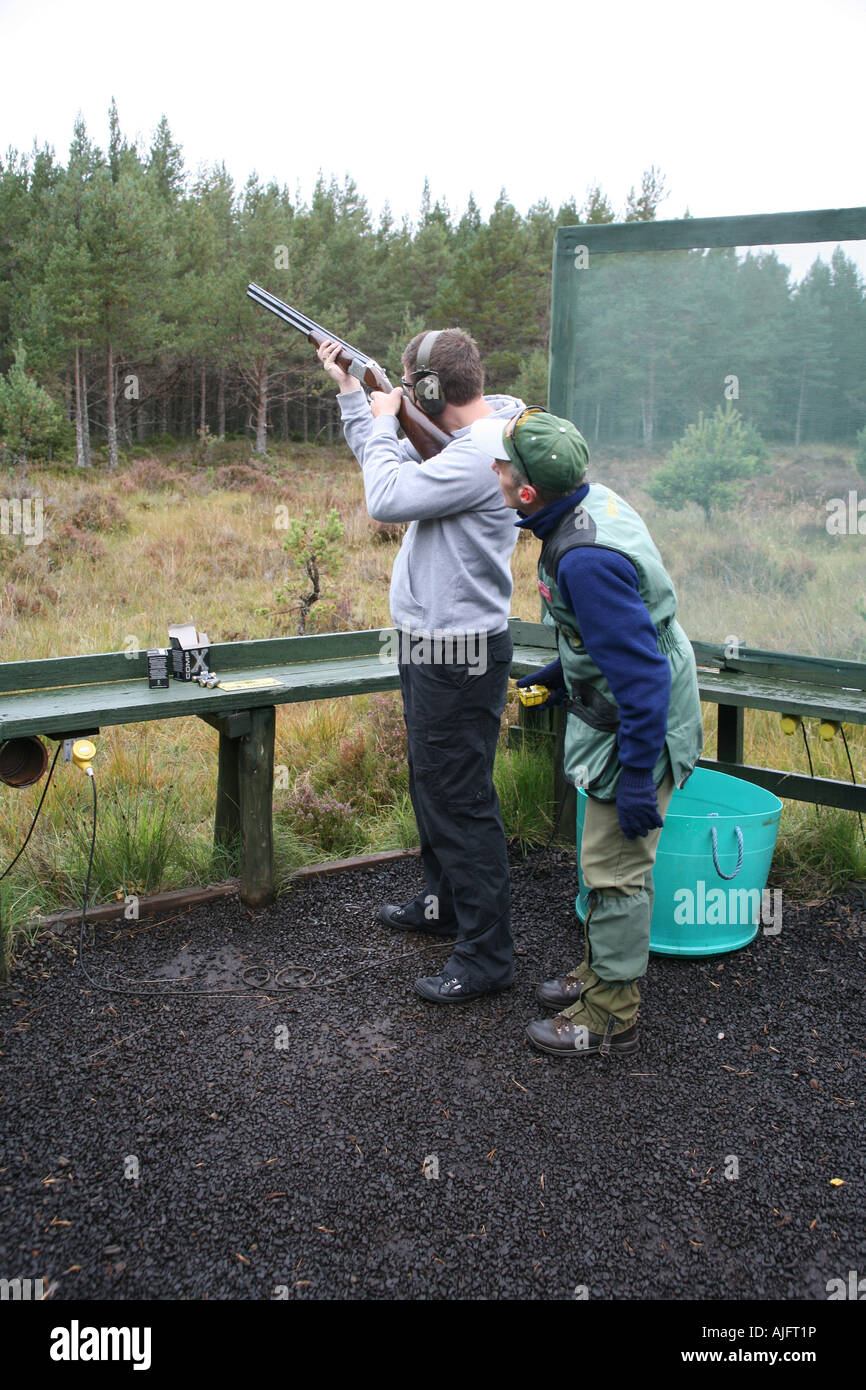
[(626, 673)]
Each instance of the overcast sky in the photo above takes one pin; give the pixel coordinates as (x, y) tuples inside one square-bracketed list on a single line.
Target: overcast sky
[(746, 106)]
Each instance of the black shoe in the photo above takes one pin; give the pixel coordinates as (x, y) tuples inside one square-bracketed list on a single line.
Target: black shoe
[(447, 989), (408, 919)]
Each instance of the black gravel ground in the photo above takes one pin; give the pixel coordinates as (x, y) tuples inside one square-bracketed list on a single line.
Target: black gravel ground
[(347, 1140)]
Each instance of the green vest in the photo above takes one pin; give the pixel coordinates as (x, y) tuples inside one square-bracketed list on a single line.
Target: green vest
[(591, 750)]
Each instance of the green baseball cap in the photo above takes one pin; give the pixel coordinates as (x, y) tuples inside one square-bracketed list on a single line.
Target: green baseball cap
[(550, 452)]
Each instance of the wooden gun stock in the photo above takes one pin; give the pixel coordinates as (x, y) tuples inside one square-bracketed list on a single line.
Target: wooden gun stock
[(418, 428)]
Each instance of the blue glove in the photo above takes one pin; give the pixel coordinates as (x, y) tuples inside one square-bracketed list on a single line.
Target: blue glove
[(637, 807), (552, 677)]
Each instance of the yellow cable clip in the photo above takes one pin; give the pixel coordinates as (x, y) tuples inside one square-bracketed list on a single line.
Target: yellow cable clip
[(790, 723), (828, 729)]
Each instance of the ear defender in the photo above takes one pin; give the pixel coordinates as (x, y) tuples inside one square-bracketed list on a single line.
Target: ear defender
[(425, 382)]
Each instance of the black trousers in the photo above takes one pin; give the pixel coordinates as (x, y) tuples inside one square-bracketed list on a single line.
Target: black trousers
[(452, 725)]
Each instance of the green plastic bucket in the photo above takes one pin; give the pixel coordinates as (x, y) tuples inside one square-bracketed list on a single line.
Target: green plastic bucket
[(711, 868)]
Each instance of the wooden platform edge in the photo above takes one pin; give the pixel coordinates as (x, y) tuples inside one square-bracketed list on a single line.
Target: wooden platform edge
[(195, 897)]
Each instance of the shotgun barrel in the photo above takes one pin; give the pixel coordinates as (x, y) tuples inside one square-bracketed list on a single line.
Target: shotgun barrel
[(427, 438), (297, 319)]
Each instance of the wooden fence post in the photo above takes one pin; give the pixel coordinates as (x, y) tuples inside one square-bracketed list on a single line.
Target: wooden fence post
[(256, 797)]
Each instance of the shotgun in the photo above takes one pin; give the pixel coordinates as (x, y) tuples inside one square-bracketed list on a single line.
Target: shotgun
[(418, 428)]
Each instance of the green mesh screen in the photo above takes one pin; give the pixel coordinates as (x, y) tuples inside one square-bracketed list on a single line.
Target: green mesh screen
[(722, 390)]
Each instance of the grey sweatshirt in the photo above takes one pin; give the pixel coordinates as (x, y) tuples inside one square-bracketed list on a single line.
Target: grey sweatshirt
[(452, 572)]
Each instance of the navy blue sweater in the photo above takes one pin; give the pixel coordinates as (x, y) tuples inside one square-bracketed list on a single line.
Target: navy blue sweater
[(601, 587)]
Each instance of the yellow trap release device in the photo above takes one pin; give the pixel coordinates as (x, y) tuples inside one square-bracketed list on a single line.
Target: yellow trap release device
[(532, 694)]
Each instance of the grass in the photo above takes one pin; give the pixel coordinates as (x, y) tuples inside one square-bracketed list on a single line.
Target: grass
[(821, 850), (169, 539)]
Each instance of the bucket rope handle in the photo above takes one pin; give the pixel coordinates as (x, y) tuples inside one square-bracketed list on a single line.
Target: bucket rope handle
[(715, 836)]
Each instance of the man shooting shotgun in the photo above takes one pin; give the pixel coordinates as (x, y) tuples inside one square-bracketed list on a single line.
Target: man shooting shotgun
[(451, 576), (423, 433)]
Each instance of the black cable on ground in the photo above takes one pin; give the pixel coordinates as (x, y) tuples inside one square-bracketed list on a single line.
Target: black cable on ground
[(312, 983), (809, 756), (853, 777), (254, 992)]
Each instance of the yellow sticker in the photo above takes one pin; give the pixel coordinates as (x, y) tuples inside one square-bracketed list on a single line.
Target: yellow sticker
[(248, 685)]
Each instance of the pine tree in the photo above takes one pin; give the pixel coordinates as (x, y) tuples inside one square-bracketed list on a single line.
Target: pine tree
[(847, 305), (31, 423), (813, 364), (490, 294), (125, 232), (642, 207), (266, 225), (597, 209)]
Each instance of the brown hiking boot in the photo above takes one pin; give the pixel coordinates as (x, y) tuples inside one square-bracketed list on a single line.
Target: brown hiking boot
[(562, 1038), (559, 993)]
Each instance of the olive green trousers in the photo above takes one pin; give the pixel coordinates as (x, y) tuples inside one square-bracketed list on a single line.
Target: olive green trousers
[(618, 874)]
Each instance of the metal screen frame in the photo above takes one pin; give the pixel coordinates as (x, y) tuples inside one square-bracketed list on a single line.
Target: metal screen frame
[(681, 234)]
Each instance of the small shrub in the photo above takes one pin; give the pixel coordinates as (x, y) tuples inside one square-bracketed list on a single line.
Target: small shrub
[(311, 544), (97, 511), (32, 425), (23, 603), (387, 532), (242, 477), (386, 728), (69, 542), (710, 463), (860, 453), (320, 818), (149, 475)]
